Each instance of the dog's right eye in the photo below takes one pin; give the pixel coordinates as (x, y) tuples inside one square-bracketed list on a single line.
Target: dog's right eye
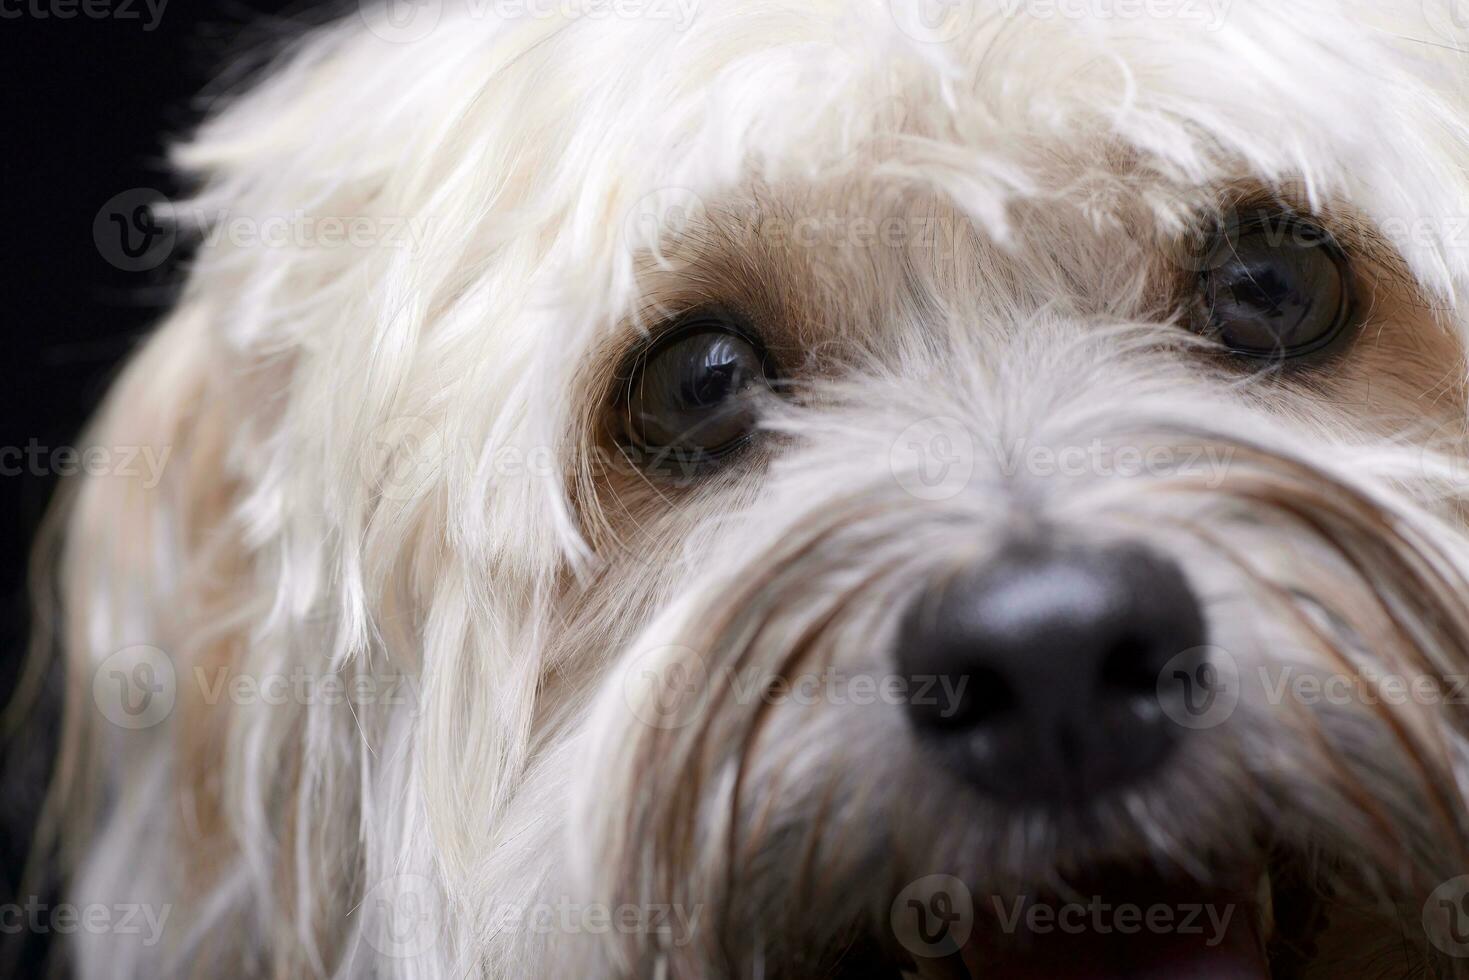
[(690, 395), (1277, 287)]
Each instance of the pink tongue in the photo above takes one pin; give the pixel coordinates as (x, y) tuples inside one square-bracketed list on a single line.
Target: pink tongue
[(1206, 947)]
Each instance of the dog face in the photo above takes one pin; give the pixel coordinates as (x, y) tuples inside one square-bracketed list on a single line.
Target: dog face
[(850, 479)]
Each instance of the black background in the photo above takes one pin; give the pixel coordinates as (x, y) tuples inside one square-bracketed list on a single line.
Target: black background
[(89, 106)]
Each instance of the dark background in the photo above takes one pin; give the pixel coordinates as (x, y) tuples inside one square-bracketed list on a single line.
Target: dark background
[(89, 106)]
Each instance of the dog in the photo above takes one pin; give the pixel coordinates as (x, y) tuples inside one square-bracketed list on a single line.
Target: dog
[(791, 489)]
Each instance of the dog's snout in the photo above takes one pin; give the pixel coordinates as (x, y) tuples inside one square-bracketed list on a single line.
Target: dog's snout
[(1038, 674)]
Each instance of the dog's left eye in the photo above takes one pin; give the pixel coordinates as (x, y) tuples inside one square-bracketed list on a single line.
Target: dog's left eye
[(690, 395), (1275, 287)]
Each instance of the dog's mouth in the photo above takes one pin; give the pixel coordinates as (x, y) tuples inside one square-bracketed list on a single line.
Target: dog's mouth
[(1123, 924), (1134, 929)]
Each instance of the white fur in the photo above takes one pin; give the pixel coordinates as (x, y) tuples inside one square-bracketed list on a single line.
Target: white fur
[(340, 418)]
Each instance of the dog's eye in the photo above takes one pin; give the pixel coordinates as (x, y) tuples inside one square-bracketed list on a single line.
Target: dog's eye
[(1275, 286), (690, 395)]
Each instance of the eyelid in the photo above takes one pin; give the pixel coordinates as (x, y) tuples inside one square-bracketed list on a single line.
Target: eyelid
[(706, 320), (1321, 236), (713, 319)]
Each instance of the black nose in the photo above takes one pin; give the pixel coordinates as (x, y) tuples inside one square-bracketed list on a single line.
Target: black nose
[(1042, 669)]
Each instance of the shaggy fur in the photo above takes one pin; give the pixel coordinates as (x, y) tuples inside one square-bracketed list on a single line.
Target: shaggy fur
[(390, 466)]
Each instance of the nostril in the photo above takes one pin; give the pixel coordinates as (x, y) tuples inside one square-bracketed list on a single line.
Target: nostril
[(991, 697), (1127, 668), (980, 697)]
